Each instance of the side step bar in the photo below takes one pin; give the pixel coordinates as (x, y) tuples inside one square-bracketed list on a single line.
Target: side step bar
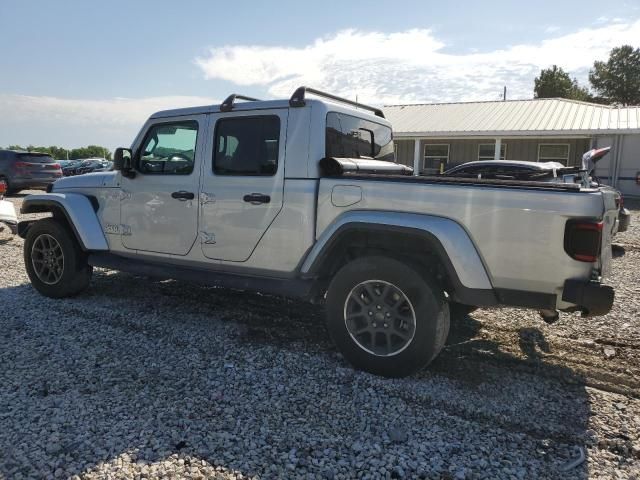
[(276, 286)]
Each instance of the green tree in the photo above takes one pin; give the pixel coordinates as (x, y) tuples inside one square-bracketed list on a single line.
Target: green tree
[(554, 82), (618, 79), (90, 151)]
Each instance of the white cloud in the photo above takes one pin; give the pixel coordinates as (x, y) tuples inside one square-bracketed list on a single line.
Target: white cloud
[(73, 122), (412, 65)]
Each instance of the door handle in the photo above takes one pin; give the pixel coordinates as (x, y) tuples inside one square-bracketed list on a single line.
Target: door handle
[(256, 198), (182, 195)]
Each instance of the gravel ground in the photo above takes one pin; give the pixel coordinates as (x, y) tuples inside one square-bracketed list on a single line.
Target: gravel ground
[(162, 379)]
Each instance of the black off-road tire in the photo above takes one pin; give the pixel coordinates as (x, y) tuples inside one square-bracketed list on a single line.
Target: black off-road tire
[(426, 299), (76, 272)]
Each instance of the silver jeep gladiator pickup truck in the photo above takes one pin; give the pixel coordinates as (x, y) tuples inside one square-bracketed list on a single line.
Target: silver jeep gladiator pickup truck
[(302, 197)]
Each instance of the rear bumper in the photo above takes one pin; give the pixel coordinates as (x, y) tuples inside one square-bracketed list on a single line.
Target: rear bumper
[(592, 298), (624, 219)]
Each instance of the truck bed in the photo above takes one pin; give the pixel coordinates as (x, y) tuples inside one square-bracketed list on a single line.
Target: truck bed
[(517, 227)]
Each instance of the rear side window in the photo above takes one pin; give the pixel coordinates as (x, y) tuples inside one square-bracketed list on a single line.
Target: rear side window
[(352, 137), (34, 158), (169, 149), (247, 146)]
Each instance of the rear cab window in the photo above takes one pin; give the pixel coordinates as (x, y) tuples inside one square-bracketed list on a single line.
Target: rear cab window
[(247, 146), (34, 158), (352, 137)]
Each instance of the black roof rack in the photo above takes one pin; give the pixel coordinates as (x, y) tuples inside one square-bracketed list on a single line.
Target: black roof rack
[(227, 105), (297, 100)]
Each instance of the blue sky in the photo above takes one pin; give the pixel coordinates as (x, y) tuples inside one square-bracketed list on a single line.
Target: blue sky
[(78, 72)]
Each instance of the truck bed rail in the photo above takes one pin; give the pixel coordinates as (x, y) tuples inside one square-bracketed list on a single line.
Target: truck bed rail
[(497, 183)]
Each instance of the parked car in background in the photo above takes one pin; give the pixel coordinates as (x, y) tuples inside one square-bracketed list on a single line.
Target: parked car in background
[(66, 164), (514, 170), (69, 167), (26, 170), (535, 172), (88, 165)]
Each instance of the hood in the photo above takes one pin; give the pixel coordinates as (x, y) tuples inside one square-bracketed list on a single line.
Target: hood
[(88, 180)]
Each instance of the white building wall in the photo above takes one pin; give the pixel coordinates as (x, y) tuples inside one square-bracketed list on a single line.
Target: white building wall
[(620, 168), (629, 166)]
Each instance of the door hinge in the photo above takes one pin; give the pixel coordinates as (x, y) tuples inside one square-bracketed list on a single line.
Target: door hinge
[(208, 238), (207, 198)]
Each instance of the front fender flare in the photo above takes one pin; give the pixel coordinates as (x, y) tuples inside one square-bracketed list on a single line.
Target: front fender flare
[(77, 209), (449, 239)]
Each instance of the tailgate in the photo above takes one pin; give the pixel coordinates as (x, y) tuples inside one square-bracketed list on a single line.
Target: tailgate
[(610, 219)]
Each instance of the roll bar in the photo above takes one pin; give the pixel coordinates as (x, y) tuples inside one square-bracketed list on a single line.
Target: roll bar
[(298, 100), (227, 105)]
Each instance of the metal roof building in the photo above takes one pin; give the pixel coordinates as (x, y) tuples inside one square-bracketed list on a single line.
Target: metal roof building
[(434, 137)]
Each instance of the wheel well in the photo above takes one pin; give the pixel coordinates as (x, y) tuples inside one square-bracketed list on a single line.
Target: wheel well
[(411, 248), (57, 212)]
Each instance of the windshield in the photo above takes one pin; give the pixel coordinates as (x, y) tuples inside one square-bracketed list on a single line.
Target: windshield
[(352, 137)]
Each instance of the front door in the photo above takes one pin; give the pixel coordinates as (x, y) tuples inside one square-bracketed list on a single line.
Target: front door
[(242, 182), (159, 206)]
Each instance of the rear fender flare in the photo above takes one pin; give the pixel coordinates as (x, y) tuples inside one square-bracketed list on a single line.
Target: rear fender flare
[(446, 237)]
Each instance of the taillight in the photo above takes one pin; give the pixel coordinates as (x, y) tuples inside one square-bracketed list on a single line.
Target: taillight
[(3, 187), (20, 165), (582, 239), (638, 178)]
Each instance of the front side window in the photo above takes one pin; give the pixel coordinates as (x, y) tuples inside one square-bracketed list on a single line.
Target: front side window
[(247, 146), (486, 151), (553, 152), (436, 157), (169, 149), (352, 137)]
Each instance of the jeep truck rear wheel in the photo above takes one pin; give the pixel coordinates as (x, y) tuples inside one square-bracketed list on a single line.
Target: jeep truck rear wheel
[(385, 317), (55, 263)]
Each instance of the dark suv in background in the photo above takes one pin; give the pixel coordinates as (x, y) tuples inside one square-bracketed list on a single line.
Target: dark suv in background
[(25, 170)]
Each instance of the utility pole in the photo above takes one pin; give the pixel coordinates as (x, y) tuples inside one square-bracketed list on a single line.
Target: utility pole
[(504, 94)]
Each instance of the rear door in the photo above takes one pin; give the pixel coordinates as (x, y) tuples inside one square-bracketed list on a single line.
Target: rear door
[(242, 182)]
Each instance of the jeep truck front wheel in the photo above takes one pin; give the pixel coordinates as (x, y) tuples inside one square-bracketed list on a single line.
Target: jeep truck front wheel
[(385, 317), (55, 263)]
